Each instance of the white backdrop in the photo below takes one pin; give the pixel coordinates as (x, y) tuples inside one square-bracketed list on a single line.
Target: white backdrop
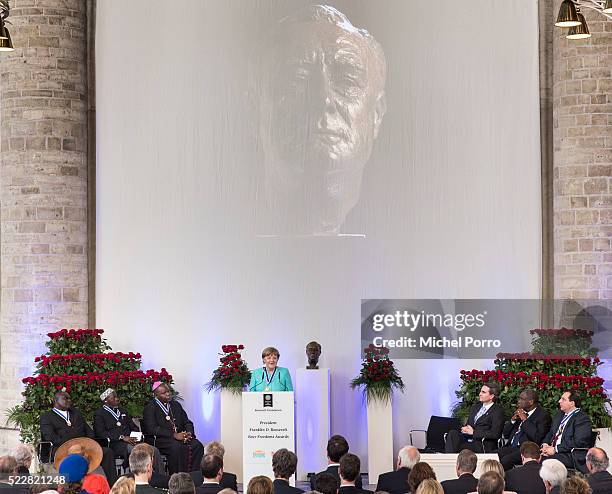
[(450, 202)]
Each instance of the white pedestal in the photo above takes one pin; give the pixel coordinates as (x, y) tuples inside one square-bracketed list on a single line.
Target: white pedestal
[(604, 441), (231, 432), (444, 464), (267, 426), (380, 440), (312, 416)]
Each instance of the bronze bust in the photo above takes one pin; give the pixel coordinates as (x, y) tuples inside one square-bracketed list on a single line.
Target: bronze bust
[(313, 352)]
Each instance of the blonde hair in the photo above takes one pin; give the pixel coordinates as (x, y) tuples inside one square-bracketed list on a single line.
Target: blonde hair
[(493, 466), (430, 486), (270, 351), (125, 485), (260, 485)]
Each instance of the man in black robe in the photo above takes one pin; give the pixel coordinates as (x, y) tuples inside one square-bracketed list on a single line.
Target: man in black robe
[(166, 426)]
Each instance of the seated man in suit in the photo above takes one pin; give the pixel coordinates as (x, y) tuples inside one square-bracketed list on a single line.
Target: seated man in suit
[(337, 446), (395, 482), (166, 425), (212, 471), (597, 464), (349, 470), (63, 422), (465, 468), (571, 428), (530, 422), (526, 479), (284, 463), (326, 483), (553, 473), (484, 425), (113, 425), (141, 465)]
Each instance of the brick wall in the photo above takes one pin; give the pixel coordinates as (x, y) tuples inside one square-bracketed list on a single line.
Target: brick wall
[(43, 184), (582, 120)]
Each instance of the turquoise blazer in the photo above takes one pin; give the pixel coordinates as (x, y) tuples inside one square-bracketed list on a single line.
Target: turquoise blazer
[(279, 381)]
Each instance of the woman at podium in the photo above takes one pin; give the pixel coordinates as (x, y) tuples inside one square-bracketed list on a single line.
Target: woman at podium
[(270, 377)]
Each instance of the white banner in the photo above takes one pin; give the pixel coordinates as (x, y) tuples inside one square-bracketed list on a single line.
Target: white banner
[(267, 425)]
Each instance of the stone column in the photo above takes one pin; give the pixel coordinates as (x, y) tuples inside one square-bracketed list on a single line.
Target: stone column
[(582, 116), (43, 184)]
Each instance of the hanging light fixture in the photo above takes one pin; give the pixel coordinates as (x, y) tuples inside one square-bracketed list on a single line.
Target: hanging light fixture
[(579, 32), (6, 44), (607, 8), (568, 16)]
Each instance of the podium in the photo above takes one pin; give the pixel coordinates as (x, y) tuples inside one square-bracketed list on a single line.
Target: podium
[(267, 425)]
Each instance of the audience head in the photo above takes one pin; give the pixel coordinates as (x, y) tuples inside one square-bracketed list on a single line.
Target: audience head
[(145, 447), (490, 482), (141, 463), (350, 467), (181, 483), (227, 490), (260, 485), (529, 451), (597, 460), (430, 486), (337, 447), (575, 484), (466, 462), (23, 454), (553, 473), (493, 466), (214, 448), (326, 483), (73, 468), (407, 457), (124, 485), (212, 467), (284, 463), (489, 392), (569, 400), (419, 472), (8, 467)]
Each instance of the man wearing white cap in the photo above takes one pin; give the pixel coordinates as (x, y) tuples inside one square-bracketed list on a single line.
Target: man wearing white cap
[(113, 425)]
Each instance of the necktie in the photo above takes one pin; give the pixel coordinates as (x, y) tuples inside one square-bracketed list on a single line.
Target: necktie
[(561, 429), (517, 436), (480, 413)]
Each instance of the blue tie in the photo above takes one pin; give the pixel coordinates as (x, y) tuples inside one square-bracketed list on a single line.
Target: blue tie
[(480, 413)]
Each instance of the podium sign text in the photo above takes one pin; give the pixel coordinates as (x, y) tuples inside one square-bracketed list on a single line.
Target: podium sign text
[(267, 425)]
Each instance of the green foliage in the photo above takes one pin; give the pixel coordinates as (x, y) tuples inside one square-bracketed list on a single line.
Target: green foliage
[(80, 367), (563, 342)]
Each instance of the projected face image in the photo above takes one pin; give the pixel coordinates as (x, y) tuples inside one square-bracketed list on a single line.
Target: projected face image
[(321, 112)]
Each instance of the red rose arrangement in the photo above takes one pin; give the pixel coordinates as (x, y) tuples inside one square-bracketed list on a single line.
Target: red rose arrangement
[(233, 373), (378, 376)]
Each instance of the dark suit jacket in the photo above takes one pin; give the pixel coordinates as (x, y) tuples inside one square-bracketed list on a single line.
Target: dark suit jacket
[(333, 469), (55, 429), (105, 425), (600, 482), (526, 479), (148, 489), (208, 489), (283, 487), (228, 480), (154, 421), (352, 490), (395, 482), (464, 484), (489, 426), (533, 429), (577, 432)]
